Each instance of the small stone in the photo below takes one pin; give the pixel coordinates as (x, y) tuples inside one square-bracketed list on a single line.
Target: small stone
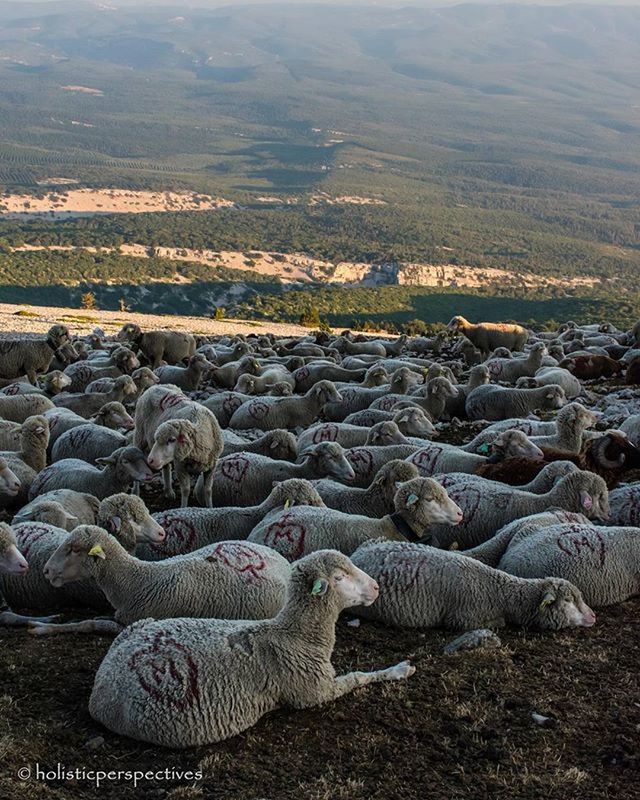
[(94, 743), (542, 721), (472, 640)]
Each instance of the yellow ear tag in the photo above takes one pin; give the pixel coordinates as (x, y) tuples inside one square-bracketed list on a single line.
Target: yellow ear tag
[(546, 602), (287, 503), (97, 551)]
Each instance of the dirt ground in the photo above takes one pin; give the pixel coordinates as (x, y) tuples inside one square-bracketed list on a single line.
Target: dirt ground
[(460, 728)]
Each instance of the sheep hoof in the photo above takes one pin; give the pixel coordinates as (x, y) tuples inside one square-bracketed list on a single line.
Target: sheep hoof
[(472, 640)]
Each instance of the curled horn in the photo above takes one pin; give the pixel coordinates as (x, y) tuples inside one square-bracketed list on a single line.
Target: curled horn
[(600, 447)]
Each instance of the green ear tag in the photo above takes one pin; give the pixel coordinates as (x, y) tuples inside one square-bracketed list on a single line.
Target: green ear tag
[(484, 448), (317, 587)]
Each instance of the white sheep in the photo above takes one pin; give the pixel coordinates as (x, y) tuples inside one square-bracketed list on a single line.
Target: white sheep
[(182, 683), (418, 504), (267, 413), (492, 402), (421, 587), (63, 508)]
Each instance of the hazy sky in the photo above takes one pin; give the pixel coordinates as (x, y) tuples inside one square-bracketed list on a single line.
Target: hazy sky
[(405, 3)]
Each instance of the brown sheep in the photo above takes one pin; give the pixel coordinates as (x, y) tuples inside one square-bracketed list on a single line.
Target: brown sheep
[(633, 372), (609, 456), (486, 336), (589, 367)]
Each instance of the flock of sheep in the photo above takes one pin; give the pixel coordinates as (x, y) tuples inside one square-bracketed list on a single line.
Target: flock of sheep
[(313, 476)]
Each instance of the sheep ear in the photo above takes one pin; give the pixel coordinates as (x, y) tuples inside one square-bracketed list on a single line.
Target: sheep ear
[(287, 503), (97, 552), (412, 499), (586, 501), (73, 520), (102, 462), (548, 599), (320, 587), (273, 445), (114, 524)]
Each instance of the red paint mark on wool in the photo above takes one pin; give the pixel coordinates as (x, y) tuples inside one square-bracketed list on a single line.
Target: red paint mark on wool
[(28, 538), (361, 460), (287, 537), (468, 498), (302, 374), (234, 469), (11, 390), (327, 433), (258, 409), (427, 460), (242, 559), (401, 570), (180, 535), (231, 404), (577, 541), (170, 400), (166, 671)]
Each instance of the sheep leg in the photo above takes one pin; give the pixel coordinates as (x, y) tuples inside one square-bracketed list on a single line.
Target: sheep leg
[(185, 484), (343, 684), (135, 489), (11, 620), (98, 625), (167, 480), (33, 377), (207, 483)]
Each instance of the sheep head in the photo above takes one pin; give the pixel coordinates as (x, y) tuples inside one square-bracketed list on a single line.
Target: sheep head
[(328, 458), (295, 492), (423, 502), (174, 439), (385, 433), (561, 605), (414, 422)]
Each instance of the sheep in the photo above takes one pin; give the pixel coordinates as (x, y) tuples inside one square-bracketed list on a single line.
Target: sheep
[(422, 587), (232, 580), (510, 369), (625, 505), (62, 508), (486, 336), (609, 456), (547, 376), (12, 562), (121, 362), (228, 375), (9, 435), (128, 522), (423, 344), (224, 675), (373, 348), (630, 427), (9, 482), (488, 509), (267, 413), (86, 405), (571, 422), (187, 378), (309, 374), (437, 392), (632, 375), (411, 421), (491, 551), (366, 461), (497, 403), (530, 427), (245, 479), (27, 462), (277, 444), (223, 405), (88, 442), (21, 406), (121, 469), (179, 431), (189, 529), (111, 415), (589, 367), (350, 435), (435, 457), (269, 376), (418, 504), (543, 482), (602, 562), (159, 346), (455, 406), (50, 385), (143, 377), (376, 500), (30, 356)]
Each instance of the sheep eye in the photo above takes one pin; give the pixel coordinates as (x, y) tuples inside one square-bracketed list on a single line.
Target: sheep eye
[(172, 440), (338, 577)]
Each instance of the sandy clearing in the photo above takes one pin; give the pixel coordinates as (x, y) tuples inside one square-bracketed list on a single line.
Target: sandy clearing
[(82, 321), (83, 90), (299, 267), (107, 201)]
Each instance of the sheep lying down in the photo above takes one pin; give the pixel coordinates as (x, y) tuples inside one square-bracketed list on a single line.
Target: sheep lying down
[(422, 587)]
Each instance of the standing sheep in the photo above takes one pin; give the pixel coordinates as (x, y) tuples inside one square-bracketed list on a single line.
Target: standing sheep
[(158, 346), (225, 676), (486, 336), (31, 357)]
